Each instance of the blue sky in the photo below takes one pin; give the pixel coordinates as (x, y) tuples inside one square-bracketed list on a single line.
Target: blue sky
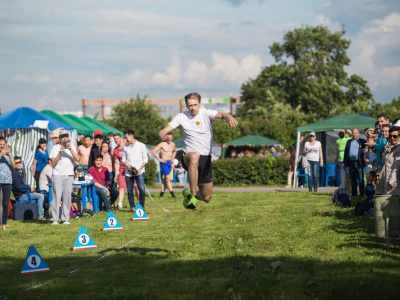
[(53, 53)]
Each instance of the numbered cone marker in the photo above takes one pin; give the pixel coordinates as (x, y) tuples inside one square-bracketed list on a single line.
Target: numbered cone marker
[(140, 214), (84, 241), (111, 223), (34, 263)]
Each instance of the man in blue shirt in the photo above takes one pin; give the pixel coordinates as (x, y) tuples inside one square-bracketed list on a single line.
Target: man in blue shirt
[(354, 160)]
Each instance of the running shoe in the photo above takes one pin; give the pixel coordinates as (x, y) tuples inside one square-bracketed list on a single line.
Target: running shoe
[(189, 201)]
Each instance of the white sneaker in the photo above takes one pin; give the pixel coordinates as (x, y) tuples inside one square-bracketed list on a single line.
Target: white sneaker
[(55, 223), (66, 223)]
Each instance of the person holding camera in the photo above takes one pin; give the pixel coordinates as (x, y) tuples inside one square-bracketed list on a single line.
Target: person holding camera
[(134, 158), (6, 165), (63, 157)]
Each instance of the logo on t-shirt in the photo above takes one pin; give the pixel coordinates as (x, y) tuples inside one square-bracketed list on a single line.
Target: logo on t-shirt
[(197, 123)]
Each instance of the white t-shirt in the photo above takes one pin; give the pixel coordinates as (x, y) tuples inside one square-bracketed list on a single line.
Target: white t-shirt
[(134, 156), (196, 131), (45, 177), (313, 151), (66, 164)]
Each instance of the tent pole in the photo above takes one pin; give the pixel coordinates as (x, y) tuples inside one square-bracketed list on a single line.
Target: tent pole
[(297, 155)]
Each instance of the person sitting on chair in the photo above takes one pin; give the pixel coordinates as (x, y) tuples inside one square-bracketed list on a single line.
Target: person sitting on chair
[(103, 183), (18, 185)]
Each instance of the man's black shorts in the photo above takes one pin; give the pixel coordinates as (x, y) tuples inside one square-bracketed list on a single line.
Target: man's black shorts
[(205, 170)]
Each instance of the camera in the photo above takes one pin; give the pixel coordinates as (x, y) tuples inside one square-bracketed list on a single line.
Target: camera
[(65, 144)]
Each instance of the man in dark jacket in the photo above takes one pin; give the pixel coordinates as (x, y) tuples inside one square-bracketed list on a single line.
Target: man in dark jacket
[(18, 185), (354, 160), (96, 149)]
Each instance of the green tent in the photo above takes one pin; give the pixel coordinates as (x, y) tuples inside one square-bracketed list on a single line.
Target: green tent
[(179, 143), (103, 127), (83, 123), (81, 129), (253, 140), (349, 121)]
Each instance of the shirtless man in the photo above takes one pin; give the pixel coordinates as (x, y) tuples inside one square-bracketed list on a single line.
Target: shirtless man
[(84, 153), (196, 127), (168, 153)]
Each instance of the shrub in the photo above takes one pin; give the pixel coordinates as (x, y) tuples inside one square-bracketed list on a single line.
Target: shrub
[(151, 173), (251, 171)]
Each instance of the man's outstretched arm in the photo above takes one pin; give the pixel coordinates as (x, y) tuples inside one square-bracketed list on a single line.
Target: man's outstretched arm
[(231, 120), (163, 132)]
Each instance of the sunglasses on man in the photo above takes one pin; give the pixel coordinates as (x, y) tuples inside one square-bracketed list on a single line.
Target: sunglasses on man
[(394, 136)]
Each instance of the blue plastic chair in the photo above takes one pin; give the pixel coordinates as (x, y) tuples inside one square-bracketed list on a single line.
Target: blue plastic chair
[(302, 173), (329, 172)]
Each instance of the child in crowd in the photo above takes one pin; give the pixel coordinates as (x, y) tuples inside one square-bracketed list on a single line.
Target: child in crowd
[(371, 182)]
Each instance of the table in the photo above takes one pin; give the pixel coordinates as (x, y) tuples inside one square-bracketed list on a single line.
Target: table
[(88, 193)]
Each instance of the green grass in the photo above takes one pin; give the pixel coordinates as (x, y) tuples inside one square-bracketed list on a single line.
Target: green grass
[(240, 246)]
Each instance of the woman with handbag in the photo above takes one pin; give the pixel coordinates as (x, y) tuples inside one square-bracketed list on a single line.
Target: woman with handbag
[(6, 164)]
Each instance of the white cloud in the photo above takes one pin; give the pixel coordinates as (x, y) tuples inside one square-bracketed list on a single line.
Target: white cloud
[(53, 101), (224, 70), (373, 52)]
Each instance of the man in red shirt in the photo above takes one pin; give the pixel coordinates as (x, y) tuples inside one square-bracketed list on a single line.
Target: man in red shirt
[(103, 184)]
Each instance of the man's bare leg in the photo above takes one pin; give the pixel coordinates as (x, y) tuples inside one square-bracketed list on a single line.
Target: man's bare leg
[(121, 197), (191, 160), (205, 192)]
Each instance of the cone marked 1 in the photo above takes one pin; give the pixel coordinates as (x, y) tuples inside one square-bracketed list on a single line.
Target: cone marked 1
[(84, 241), (34, 263), (140, 214), (111, 223)]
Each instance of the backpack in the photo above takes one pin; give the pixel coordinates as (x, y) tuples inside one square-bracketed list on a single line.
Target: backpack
[(364, 207), (341, 197)]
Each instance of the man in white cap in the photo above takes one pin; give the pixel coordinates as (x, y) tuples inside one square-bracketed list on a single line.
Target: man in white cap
[(63, 157)]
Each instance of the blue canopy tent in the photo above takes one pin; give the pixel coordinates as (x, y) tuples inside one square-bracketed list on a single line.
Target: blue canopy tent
[(25, 117), (17, 126)]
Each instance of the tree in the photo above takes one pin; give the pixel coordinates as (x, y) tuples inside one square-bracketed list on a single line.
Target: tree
[(309, 72), (140, 116), (275, 120)]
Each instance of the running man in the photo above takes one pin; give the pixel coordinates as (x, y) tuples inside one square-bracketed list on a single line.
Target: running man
[(196, 127), (168, 153)]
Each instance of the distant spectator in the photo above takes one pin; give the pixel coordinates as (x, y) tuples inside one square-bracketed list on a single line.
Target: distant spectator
[(292, 162), (182, 175), (273, 151), (379, 144), (96, 149), (19, 185), (54, 140), (313, 152), (111, 143), (233, 154), (40, 160), (63, 158), (392, 162), (108, 161), (354, 160), (6, 165), (45, 176), (341, 143), (84, 151), (103, 183), (371, 182)]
